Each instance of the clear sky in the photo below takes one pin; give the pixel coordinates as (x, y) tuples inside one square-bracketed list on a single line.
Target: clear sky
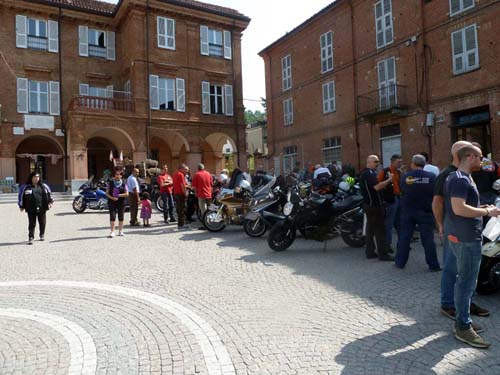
[(271, 19)]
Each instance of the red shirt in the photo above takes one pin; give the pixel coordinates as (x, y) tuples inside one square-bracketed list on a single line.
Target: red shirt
[(164, 178), (202, 182), (179, 187)]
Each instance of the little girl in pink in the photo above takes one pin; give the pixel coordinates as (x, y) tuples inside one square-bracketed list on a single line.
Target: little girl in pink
[(146, 209)]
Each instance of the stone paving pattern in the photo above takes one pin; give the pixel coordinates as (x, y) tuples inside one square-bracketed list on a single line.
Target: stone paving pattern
[(302, 311)]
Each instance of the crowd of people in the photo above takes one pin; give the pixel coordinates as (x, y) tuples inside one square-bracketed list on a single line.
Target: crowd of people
[(411, 203)]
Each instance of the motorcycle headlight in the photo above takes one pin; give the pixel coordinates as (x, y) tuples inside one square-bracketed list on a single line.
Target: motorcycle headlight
[(287, 210)]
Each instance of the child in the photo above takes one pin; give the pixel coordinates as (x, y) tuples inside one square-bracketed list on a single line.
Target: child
[(146, 209)]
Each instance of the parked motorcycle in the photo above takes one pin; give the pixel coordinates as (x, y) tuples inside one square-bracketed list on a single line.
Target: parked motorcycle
[(321, 218), (488, 281), (264, 214), (91, 196), (233, 205)]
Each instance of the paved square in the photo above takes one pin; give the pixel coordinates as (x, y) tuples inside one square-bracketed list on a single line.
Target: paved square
[(159, 301)]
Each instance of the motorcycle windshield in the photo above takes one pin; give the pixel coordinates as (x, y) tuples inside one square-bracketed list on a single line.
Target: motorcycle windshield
[(264, 190)]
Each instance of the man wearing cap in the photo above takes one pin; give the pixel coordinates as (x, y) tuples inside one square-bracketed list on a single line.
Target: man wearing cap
[(417, 190)]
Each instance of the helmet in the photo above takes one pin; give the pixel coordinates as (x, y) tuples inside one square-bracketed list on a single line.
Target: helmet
[(246, 185), (491, 249), (344, 186), (496, 185)]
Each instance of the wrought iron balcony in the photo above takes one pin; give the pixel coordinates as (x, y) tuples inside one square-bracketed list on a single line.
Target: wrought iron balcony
[(98, 104), (390, 99)]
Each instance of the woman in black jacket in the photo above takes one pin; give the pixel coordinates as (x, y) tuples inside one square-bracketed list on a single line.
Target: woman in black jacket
[(35, 198)]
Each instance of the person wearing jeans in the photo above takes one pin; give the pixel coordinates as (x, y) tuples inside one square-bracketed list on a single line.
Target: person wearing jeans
[(165, 182), (449, 275), (180, 194), (464, 225)]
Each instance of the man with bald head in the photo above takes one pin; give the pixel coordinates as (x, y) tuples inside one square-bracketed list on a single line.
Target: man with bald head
[(449, 275), (374, 209)]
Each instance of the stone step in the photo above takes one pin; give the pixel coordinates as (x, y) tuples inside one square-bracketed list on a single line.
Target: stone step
[(12, 197)]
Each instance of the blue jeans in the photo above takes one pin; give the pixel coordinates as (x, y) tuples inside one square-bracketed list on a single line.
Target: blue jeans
[(391, 220), (409, 219), (449, 275), (468, 256), (168, 205)]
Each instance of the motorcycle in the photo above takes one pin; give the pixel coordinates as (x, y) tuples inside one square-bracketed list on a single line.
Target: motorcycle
[(321, 218), (233, 205), (488, 281), (264, 214), (91, 196)]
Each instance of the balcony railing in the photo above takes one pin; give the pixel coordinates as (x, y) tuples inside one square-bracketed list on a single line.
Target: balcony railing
[(388, 99), (95, 103), (37, 42), (96, 51)]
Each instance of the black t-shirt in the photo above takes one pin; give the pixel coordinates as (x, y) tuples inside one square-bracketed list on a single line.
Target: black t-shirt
[(367, 180), (441, 179), (485, 177)]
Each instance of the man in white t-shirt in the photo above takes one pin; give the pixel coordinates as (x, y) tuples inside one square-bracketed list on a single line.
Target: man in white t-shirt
[(429, 167)]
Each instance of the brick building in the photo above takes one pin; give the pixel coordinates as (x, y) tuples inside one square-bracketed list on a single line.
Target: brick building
[(384, 77), (83, 79)]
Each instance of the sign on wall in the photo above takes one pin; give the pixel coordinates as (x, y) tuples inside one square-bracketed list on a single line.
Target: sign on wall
[(38, 122)]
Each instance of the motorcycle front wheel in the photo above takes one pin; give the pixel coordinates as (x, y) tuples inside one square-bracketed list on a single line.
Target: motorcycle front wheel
[(281, 237), (213, 221), (255, 228), (79, 204), (159, 203), (353, 235)]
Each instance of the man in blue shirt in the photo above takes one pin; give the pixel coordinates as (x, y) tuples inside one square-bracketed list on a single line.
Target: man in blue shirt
[(417, 190), (464, 224)]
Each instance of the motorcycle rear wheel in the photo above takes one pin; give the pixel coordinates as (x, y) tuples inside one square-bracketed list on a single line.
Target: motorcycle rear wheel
[(281, 237), (255, 228), (159, 203), (209, 221), (79, 204), (491, 283)]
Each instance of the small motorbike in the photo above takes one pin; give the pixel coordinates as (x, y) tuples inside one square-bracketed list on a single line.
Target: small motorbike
[(264, 214), (91, 196), (321, 218), (488, 281), (233, 205)]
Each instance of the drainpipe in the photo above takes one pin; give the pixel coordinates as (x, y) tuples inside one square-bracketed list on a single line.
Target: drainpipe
[(148, 125), (355, 87), (63, 123), (425, 75), (234, 96)]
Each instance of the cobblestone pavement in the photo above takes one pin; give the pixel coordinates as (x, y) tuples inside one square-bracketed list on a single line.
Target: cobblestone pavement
[(160, 301)]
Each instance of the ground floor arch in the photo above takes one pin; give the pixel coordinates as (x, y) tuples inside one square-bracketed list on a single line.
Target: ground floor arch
[(218, 150), (43, 155)]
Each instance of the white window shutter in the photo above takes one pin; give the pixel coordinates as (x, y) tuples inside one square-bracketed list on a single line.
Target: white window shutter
[(325, 98), (170, 33), (21, 31), (181, 94), (228, 49), (204, 40), (161, 31), (110, 46), (332, 96), (109, 91), (228, 90), (454, 6), (205, 97), (83, 40), (83, 89), (290, 107), (55, 108), (53, 36), (458, 52), (154, 94), (22, 95)]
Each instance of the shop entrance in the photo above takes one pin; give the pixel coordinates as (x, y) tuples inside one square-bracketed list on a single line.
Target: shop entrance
[(472, 125)]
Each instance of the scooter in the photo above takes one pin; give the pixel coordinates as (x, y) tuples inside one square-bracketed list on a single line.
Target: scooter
[(91, 196)]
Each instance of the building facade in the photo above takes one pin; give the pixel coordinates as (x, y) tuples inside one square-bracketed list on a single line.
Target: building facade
[(87, 81), (384, 77)]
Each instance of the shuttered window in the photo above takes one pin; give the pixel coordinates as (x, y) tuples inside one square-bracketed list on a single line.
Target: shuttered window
[(465, 50), (37, 34), (167, 93), (96, 43), (329, 97), (217, 99), (383, 23), (214, 42), (286, 72), (326, 43), (288, 111)]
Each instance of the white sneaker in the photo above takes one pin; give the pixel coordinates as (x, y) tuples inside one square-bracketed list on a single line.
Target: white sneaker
[(111, 234), (121, 234)]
